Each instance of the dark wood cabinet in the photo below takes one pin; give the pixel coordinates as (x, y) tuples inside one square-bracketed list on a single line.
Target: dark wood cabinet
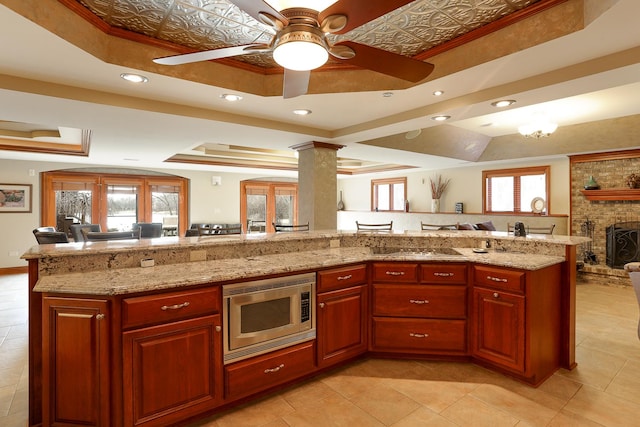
[(341, 314), (267, 371), (172, 371), (76, 356), (172, 356), (419, 309), (516, 320)]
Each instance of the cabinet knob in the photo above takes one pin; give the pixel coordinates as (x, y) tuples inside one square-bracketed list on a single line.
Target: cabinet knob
[(218, 328), (321, 305), (496, 295), (99, 316)]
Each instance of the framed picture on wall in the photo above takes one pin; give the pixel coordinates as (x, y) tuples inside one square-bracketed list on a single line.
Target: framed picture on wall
[(15, 198)]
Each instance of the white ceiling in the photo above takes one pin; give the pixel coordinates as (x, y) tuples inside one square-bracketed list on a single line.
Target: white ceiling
[(150, 137)]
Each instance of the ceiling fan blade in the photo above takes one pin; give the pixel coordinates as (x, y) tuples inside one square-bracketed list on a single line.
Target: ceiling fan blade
[(207, 55), (255, 9), (295, 83), (388, 63), (360, 12)]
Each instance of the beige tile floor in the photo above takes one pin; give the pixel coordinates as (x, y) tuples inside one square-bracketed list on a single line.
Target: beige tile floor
[(604, 390)]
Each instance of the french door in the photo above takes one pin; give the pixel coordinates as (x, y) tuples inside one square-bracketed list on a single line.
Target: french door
[(264, 203)]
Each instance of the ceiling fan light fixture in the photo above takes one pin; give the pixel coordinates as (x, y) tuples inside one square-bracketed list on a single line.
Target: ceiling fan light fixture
[(301, 48), (318, 5)]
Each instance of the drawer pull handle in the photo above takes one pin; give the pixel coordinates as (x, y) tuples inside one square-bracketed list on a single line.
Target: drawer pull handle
[(419, 301), (174, 306), (272, 370), (394, 273), (496, 279), (443, 274), (347, 277), (415, 335), (496, 295)]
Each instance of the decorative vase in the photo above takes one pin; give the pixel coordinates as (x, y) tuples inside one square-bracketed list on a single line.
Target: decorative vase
[(591, 184), (435, 205)]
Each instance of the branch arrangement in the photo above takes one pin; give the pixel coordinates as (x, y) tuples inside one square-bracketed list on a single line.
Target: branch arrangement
[(438, 186)]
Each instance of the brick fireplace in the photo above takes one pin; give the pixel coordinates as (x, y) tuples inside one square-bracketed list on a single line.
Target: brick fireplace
[(614, 203)]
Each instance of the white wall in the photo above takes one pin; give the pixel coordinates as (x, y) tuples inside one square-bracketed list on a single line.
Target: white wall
[(208, 203), (465, 186)]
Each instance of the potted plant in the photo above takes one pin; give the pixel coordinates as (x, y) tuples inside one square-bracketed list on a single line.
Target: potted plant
[(438, 186)]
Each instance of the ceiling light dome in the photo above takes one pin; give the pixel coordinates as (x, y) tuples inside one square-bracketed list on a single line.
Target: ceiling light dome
[(538, 130), (301, 48)]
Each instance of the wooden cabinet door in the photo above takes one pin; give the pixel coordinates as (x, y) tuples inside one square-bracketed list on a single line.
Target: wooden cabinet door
[(499, 328), (75, 346), (172, 371), (341, 327)]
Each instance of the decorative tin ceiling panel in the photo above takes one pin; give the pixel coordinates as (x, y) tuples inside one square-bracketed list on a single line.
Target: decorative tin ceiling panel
[(212, 24)]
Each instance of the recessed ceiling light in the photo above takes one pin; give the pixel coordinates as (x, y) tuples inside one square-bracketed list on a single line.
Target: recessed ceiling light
[(440, 118), (302, 112), (387, 94), (134, 78), (230, 97), (503, 103), (438, 92)]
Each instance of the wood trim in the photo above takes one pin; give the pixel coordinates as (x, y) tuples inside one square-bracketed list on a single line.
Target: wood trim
[(612, 194), (316, 144), (606, 155), (13, 270)]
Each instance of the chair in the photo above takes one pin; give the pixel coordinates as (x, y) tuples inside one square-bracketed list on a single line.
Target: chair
[(111, 235), (192, 232), (534, 230), (424, 226), (288, 228), (148, 230), (46, 237), (35, 230), (76, 230), (219, 229), (374, 227)]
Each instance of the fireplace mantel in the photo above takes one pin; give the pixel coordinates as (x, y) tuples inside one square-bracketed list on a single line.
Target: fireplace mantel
[(612, 194)]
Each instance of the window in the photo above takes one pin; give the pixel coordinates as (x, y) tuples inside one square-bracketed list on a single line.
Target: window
[(263, 203), (115, 201), (388, 194), (514, 190)]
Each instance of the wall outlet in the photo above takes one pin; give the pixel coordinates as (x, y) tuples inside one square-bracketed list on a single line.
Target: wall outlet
[(148, 262), (198, 256), (14, 253)]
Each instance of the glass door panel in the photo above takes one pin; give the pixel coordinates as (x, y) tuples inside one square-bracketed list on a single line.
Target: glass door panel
[(164, 208), (285, 213), (256, 211), (122, 207)]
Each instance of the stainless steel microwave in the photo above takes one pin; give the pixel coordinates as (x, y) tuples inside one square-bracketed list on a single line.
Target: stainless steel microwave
[(265, 315)]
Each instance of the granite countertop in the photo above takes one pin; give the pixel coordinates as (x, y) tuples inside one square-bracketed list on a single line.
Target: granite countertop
[(165, 277)]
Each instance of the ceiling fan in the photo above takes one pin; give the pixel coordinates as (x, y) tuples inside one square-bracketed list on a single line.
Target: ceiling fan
[(300, 44)]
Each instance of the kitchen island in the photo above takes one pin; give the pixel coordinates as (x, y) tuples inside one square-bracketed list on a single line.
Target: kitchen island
[(91, 294)]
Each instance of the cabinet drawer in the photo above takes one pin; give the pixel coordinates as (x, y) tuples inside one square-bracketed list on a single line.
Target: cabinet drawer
[(419, 335), (163, 308), (499, 278), (420, 301), (395, 272), (263, 372), (341, 278), (444, 273)]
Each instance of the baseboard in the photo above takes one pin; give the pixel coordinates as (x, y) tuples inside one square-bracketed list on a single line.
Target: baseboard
[(13, 270)]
